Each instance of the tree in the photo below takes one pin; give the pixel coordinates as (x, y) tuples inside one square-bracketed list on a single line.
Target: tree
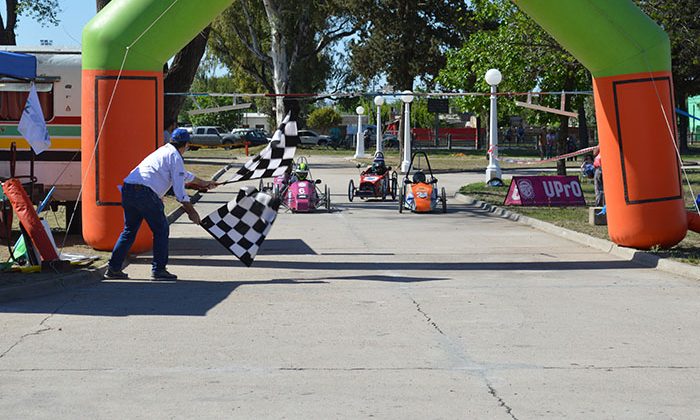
[(324, 119), (281, 45), (407, 39), (681, 21), (178, 77), (527, 57), (44, 11)]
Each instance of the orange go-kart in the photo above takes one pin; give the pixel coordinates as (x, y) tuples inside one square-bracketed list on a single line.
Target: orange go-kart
[(420, 193)]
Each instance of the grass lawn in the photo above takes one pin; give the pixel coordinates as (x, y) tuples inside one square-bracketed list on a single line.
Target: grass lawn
[(576, 218)]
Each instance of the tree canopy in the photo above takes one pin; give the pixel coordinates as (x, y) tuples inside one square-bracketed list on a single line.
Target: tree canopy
[(43, 11), (406, 39)]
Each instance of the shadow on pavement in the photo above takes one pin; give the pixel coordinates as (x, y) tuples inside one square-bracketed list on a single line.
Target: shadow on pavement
[(210, 247), (176, 298), (448, 266), (127, 298)]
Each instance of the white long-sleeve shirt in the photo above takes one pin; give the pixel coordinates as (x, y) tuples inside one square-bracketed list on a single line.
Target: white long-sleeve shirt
[(161, 170)]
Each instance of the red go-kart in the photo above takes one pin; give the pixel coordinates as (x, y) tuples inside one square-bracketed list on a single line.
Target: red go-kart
[(375, 182)]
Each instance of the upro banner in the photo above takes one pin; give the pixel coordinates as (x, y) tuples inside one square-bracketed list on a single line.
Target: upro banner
[(545, 191)]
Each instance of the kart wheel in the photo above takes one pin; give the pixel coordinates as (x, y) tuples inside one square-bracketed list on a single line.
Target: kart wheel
[(394, 184), (401, 197), (328, 198), (385, 183), (443, 198), (351, 190)]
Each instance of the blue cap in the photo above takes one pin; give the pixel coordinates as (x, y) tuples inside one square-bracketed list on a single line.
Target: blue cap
[(180, 135)]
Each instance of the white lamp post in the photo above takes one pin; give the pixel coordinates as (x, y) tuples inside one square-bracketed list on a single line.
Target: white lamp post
[(379, 101), (493, 170), (407, 98), (360, 144)]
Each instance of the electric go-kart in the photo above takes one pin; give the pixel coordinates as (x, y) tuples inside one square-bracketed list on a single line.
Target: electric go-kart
[(302, 193), (420, 193), (377, 181), (278, 186)]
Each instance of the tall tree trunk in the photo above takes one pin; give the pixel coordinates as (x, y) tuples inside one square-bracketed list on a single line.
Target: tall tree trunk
[(561, 142), (682, 103), (564, 126), (7, 31), (101, 3), (180, 75), (280, 63), (583, 139)]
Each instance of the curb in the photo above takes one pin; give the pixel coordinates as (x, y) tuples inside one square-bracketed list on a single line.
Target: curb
[(65, 281), (642, 258), (62, 282)]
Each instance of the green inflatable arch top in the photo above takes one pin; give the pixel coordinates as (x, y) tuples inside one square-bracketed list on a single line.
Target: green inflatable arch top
[(158, 29), (609, 37)]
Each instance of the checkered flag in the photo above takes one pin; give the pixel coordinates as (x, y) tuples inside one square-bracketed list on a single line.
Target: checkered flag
[(242, 224), (274, 159)]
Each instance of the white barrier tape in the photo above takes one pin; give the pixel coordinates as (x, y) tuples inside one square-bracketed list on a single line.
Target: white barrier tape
[(552, 159)]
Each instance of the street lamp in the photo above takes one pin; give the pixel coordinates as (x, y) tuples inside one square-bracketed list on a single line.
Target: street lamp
[(360, 145), (493, 170), (379, 101), (407, 98)]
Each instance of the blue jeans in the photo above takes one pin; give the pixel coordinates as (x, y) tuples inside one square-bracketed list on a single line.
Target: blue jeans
[(139, 203)]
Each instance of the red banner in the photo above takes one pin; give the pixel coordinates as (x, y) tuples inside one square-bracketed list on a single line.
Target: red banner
[(545, 191)]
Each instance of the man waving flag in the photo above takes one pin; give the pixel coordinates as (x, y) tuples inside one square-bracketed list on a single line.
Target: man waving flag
[(32, 125)]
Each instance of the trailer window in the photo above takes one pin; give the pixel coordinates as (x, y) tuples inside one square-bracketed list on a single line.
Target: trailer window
[(13, 97)]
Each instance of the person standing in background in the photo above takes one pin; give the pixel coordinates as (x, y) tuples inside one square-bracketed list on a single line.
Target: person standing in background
[(598, 179)]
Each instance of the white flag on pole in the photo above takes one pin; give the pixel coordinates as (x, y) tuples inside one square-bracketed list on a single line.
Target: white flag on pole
[(32, 125)]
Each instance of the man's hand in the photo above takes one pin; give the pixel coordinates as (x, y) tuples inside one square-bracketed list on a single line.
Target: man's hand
[(202, 185), (192, 213), (194, 217)]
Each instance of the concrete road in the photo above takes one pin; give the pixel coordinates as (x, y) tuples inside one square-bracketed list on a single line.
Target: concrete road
[(363, 312)]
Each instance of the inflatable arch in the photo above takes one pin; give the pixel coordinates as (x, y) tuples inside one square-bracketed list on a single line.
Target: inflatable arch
[(124, 49), (126, 44), (629, 58)]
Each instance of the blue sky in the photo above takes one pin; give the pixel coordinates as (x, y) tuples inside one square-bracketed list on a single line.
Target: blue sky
[(74, 15)]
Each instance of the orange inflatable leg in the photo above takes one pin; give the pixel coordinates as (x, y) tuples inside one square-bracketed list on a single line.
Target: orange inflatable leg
[(641, 172), (129, 128)]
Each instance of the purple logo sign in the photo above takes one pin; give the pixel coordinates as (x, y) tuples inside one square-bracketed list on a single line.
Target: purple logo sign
[(545, 191)]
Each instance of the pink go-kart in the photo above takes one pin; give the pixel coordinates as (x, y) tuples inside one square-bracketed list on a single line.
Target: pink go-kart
[(302, 193)]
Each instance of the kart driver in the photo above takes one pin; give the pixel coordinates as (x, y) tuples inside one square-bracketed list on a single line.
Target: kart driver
[(300, 173), (378, 167)]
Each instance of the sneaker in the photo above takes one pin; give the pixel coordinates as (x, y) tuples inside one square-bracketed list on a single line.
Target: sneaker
[(115, 274), (163, 275)]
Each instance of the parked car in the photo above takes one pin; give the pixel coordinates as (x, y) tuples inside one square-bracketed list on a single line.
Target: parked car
[(309, 137), (238, 136), (207, 136)]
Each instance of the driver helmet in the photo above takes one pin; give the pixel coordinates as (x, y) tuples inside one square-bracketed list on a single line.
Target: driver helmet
[(378, 165), (419, 177), (302, 171)]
